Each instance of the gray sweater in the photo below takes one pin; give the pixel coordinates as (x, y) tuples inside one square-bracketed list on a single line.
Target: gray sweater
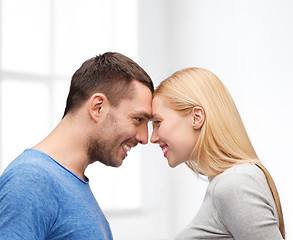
[(238, 205)]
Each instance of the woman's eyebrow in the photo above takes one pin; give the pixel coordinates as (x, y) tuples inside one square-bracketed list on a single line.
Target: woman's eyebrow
[(155, 116)]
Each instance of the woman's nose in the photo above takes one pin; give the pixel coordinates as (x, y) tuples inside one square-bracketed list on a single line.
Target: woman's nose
[(154, 137)]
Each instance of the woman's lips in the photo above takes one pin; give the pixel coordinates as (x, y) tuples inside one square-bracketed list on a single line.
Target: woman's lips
[(165, 149)]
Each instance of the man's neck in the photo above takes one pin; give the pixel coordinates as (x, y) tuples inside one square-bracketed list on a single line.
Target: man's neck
[(66, 145)]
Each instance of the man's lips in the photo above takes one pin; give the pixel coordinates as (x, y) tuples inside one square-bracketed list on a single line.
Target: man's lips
[(127, 147)]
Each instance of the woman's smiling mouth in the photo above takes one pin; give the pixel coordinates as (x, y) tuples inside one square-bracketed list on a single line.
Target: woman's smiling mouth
[(165, 149)]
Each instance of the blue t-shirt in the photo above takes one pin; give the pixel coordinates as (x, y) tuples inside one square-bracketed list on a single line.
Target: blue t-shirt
[(40, 199)]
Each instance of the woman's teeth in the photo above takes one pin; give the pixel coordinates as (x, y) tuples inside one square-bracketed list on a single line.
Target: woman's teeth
[(165, 149)]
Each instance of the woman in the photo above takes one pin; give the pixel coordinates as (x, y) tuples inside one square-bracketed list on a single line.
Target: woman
[(196, 121)]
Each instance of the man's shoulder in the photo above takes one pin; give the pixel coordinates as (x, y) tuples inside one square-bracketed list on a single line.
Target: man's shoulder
[(28, 168)]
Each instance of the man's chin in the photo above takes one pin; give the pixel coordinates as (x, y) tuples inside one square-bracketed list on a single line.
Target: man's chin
[(117, 165), (111, 163), (114, 163)]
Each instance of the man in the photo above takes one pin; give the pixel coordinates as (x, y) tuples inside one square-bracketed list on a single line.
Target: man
[(44, 193)]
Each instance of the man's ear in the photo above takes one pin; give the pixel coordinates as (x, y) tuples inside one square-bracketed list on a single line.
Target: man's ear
[(198, 117), (96, 105)]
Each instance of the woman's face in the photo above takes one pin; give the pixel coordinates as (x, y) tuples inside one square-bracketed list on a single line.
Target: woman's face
[(173, 131)]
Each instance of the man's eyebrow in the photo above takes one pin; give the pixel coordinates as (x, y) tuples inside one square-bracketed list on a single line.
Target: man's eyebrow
[(143, 114)]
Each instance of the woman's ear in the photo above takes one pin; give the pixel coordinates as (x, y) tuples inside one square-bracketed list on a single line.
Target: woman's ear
[(96, 105), (198, 117)]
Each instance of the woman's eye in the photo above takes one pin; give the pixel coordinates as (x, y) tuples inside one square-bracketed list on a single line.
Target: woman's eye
[(156, 122)]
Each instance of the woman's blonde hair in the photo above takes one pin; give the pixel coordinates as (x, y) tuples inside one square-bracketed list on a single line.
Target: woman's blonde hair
[(223, 141)]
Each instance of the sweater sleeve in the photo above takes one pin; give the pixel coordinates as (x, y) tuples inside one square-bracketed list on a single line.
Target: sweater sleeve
[(28, 207), (244, 208)]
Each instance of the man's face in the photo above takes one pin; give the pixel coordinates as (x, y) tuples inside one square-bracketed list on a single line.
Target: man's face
[(125, 126)]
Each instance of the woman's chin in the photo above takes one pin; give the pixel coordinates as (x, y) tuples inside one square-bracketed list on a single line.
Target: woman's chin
[(172, 164)]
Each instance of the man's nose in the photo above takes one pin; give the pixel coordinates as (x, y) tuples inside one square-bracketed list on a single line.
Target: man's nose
[(142, 134)]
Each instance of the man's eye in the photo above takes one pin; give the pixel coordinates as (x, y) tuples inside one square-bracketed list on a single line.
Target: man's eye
[(139, 119)]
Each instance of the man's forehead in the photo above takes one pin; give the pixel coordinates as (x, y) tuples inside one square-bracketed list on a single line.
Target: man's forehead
[(140, 101)]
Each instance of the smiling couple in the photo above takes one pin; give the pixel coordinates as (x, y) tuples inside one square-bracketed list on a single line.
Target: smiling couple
[(45, 195)]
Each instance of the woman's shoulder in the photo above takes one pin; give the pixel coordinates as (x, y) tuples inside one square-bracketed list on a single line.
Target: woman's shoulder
[(237, 179), (243, 203), (240, 171)]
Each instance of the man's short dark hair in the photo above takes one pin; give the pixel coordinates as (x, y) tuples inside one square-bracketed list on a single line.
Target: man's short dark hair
[(110, 73)]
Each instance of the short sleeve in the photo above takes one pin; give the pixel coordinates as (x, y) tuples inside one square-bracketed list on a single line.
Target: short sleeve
[(28, 207), (245, 207)]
